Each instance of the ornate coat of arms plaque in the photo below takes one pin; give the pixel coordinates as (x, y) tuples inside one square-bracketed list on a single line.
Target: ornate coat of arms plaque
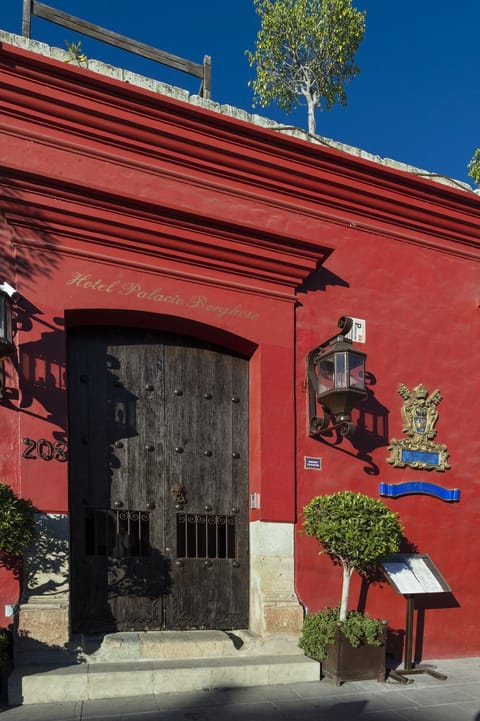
[(420, 414)]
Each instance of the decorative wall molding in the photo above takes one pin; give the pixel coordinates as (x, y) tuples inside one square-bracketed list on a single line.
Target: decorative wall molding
[(409, 488), (241, 172), (419, 450)]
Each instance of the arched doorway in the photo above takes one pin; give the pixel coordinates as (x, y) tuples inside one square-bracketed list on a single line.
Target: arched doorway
[(158, 437)]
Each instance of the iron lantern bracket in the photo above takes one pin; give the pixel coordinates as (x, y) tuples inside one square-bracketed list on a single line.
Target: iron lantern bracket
[(326, 421)]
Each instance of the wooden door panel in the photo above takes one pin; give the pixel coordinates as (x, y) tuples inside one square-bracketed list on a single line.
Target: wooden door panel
[(138, 581), (158, 430), (209, 461), (89, 461), (117, 583)]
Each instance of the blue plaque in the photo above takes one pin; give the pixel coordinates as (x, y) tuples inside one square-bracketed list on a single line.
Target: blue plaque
[(428, 457), (394, 490)]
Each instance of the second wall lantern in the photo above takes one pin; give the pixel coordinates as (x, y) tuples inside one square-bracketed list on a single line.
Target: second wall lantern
[(336, 383), (8, 296)]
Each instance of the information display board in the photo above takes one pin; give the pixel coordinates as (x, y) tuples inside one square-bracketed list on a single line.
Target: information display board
[(413, 573)]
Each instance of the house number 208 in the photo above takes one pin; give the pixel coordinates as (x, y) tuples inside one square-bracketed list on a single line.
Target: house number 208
[(46, 450)]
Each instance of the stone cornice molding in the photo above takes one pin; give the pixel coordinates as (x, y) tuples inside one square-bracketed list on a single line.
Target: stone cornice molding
[(253, 181), (67, 218)]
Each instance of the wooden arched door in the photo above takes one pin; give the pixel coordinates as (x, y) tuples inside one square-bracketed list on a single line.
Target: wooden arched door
[(158, 438)]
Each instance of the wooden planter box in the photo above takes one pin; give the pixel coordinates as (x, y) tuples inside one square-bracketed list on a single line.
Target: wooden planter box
[(346, 663)]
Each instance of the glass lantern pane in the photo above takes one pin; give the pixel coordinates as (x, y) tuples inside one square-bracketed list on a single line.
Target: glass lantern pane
[(3, 317), (325, 375), (357, 371), (8, 322), (5, 321), (341, 377)]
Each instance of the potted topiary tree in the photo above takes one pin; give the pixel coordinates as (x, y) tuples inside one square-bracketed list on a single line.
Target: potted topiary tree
[(356, 531)]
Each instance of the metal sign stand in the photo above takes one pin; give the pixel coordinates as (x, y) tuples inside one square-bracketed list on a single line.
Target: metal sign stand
[(410, 575), (408, 667)]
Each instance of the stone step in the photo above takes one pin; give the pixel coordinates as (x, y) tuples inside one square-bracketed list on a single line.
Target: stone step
[(150, 645), (86, 681), (159, 645)]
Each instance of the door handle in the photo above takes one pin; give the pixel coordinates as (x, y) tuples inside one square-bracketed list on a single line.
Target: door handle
[(178, 494)]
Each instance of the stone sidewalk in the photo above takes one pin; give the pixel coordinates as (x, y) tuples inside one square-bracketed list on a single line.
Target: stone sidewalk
[(424, 699)]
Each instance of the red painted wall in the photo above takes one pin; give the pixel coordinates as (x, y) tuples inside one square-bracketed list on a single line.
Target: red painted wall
[(120, 205), (421, 313)]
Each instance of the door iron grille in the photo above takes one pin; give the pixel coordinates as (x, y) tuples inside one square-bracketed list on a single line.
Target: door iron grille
[(117, 533), (201, 535)]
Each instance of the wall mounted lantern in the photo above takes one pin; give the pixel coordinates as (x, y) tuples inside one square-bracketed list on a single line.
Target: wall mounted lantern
[(8, 296), (336, 382)]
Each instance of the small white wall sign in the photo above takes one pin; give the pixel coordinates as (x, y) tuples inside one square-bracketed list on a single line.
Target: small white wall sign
[(358, 332)]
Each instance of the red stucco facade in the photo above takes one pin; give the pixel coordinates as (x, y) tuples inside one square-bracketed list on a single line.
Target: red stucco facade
[(121, 206)]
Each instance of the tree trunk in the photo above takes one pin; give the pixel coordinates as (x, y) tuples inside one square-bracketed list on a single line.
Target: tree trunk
[(311, 115), (347, 575)]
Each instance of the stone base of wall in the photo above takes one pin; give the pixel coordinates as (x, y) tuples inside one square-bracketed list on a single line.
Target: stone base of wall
[(274, 607), (42, 623), (283, 615), (43, 631), (43, 627)]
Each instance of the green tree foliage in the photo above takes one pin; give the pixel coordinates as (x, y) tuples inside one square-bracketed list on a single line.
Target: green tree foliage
[(304, 53), (319, 631), (17, 530), (355, 531), (17, 522), (474, 167), (4, 648), (76, 53)]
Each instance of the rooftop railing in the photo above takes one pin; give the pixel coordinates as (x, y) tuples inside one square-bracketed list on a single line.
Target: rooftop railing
[(46, 12)]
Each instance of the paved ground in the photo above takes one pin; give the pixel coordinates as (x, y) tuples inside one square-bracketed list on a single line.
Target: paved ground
[(425, 699)]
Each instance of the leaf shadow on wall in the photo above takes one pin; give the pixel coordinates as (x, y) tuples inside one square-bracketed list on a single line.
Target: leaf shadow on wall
[(38, 381), (27, 254), (46, 561), (21, 251), (129, 594)]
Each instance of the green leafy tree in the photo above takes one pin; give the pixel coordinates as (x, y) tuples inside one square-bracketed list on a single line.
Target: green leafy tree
[(474, 167), (305, 53), (355, 530), (17, 531), (17, 523), (4, 650)]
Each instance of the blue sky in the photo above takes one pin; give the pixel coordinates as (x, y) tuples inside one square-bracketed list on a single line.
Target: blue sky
[(416, 100)]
